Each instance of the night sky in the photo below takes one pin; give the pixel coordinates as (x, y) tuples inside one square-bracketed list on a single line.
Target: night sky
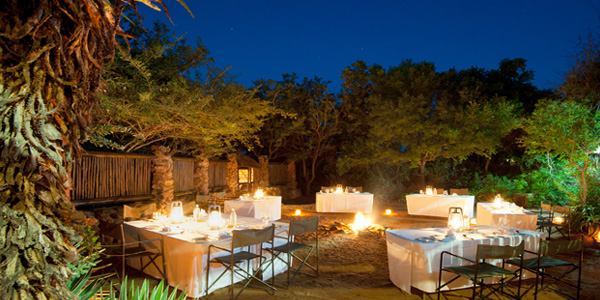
[(264, 39)]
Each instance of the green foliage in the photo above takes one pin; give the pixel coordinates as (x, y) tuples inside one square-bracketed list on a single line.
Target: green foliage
[(82, 283), (151, 99), (551, 181), (144, 292), (486, 188), (567, 129)]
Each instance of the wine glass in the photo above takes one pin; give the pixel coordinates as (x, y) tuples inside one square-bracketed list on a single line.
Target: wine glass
[(503, 224)]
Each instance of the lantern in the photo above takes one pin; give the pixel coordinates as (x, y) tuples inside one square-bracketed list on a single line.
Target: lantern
[(339, 189), (214, 217), (176, 211), (558, 220), (429, 190), (455, 218), (498, 202)]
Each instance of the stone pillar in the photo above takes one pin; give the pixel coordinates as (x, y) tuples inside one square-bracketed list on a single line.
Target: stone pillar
[(291, 175), (162, 178), (263, 173), (232, 173), (201, 176)]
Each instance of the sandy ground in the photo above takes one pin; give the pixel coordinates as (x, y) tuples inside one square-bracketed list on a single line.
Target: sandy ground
[(356, 266)]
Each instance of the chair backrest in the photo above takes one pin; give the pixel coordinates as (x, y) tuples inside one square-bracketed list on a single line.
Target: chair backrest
[(563, 210), (303, 226), (547, 207), (459, 191), (355, 188), (247, 237), (499, 252), (139, 211), (551, 247), (324, 188)]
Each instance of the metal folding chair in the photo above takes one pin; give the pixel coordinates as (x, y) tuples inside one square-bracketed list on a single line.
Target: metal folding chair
[(290, 248), (479, 269), (236, 255), (118, 246), (546, 261)]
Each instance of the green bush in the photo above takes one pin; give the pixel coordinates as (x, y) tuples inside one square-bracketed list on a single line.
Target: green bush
[(486, 188)]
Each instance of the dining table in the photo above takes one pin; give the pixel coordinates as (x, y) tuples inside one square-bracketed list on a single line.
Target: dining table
[(351, 202), (439, 205), (257, 208), (186, 251), (414, 254), (516, 216)]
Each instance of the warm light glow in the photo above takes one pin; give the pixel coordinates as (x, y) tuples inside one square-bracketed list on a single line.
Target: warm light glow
[(429, 191), (339, 189), (473, 221), (360, 223), (214, 220), (298, 212), (177, 211), (388, 211), (558, 220), (498, 202), (598, 237), (259, 194)]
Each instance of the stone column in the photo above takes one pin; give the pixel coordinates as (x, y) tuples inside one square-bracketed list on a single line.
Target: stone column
[(201, 176), (291, 175), (162, 178), (263, 173), (232, 173)]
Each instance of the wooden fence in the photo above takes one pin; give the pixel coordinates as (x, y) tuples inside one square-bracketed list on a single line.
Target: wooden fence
[(277, 174), (106, 176), (100, 178), (183, 174)]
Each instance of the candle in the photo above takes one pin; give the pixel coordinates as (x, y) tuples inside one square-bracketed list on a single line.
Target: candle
[(298, 212), (388, 211)]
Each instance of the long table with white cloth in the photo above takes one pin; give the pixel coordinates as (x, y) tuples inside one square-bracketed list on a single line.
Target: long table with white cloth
[(186, 251), (438, 205), (269, 206), (344, 202), (516, 216), (414, 254)]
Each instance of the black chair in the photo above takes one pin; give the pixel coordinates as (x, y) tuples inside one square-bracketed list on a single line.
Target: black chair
[(563, 227), (290, 248), (544, 216), (546, 261), (243, 240), (125, 243), (479, 269)]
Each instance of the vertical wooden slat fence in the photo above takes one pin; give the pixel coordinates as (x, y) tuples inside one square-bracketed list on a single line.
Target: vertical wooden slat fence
[(217, 173), (277, 174), (183, 174), (98, 176)]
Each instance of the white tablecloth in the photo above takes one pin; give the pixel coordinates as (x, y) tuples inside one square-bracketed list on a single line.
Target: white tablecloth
[(517, 217), (415, 263), (187, 259), (268, 205), (345, 202), (437, 206)]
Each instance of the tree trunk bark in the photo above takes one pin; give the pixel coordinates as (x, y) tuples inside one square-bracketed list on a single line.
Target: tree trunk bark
[(36, 228)]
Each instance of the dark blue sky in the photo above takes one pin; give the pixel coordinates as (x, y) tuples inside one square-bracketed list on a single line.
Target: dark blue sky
[(264, 39)]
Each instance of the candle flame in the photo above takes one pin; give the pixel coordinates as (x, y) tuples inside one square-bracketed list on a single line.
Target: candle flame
[(388, 211), (259, 194), (558, 220), (298, 212)]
